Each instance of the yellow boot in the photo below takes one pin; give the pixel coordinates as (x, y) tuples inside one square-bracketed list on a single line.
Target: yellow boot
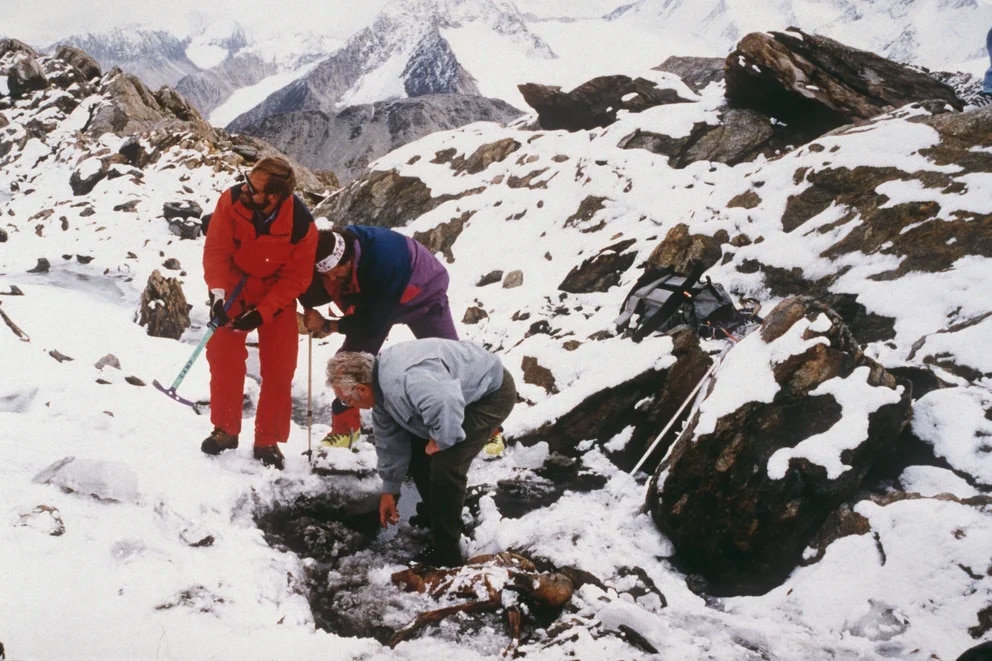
[(344, 440), (493, 449)]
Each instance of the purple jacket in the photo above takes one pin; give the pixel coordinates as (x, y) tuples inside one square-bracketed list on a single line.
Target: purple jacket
[(397, 279)]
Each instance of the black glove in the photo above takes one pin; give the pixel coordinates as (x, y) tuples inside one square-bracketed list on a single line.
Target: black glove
[(218, 316), (248, 320)]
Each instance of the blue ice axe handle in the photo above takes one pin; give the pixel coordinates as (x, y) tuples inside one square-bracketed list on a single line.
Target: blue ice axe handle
[(211, 327)]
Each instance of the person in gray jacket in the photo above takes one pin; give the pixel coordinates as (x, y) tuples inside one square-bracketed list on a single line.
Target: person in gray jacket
[(435, 402)]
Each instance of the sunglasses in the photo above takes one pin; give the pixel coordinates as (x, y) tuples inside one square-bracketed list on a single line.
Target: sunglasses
[(247, 182)]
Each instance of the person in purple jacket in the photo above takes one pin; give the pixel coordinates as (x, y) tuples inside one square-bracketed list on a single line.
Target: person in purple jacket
[(377, 278)]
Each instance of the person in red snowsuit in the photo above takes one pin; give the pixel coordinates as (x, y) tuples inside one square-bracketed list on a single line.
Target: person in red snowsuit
[(263, 234)]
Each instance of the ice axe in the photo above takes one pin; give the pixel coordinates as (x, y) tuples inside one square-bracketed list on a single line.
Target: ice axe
[(211, 327)]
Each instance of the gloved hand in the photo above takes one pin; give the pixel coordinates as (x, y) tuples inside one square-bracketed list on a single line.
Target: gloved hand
[(248, 320), (217, 314)]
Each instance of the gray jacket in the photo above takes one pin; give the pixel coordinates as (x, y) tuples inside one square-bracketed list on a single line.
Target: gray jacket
[(421, 389)]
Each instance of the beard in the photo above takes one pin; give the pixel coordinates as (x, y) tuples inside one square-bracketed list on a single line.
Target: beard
[(249, 203)]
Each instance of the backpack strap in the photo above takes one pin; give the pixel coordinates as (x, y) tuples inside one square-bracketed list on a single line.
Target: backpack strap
[(645, 284), (302, 220), (681, 294)]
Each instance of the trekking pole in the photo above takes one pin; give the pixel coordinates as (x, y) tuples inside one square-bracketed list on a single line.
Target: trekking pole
[(309, 452), (211, 327), (675, 416)]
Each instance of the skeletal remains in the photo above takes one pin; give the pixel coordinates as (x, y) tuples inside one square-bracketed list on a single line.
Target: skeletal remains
[(485, 583)]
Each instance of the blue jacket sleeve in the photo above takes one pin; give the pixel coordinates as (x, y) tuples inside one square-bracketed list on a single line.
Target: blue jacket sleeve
[(439, 399), (392, 448)]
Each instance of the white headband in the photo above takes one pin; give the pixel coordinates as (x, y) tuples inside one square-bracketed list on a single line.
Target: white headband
[(329, 262)]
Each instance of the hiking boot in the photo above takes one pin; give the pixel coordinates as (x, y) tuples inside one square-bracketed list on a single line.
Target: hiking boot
[(437, 557), (422, 519), (345, 440), (270, 455), (218, 441), (493, 449)]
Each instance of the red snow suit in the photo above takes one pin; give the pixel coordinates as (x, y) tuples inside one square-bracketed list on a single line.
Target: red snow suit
[(278, 261)]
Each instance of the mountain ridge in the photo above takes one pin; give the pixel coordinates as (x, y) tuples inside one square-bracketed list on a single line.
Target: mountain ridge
[(902, 33)]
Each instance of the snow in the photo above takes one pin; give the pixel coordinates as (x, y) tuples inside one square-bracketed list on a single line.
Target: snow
[(949, 418), (206, 56), (858, 399), (252, 95), (746, 375), (104, 495), (384, 83)]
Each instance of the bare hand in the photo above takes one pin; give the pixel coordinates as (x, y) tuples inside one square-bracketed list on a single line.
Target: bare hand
[(432, 447), (388, 514), (313, 321)]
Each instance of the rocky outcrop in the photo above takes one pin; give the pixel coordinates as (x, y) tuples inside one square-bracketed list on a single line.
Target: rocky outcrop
[(682, 251), (132, 107), (86, 64), (164, 309), (595, 103), (819, 84), (25, 77), (785, 89), (696, 72), (601, 271), (385, 199), (14, 47), (740, 135), (121, 104), (748, 486)]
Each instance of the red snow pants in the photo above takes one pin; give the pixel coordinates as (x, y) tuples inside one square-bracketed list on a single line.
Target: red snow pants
[(278, 347)]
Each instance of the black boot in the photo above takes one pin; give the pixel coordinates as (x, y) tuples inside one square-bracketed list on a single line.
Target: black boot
[(434, 556), (422, 519), (270, 455), (218, 441)]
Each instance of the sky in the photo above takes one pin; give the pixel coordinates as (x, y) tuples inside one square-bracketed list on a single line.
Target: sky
[(117, 465), (42, 22)]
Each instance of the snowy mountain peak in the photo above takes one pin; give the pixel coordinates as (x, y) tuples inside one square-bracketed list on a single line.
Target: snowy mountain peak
[(156, 57), (404, 53)]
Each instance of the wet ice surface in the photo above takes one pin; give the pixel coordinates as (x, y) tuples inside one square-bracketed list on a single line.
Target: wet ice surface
[(348, 558), (103, 288)]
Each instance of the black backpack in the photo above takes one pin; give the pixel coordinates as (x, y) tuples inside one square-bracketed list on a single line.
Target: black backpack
[(663, 299)]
